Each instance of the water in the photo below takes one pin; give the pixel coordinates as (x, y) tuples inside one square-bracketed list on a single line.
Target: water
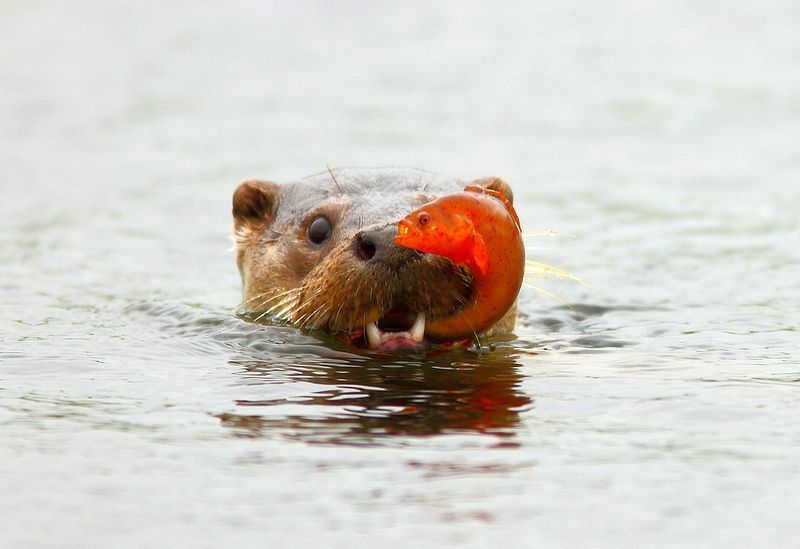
[(659, 141)]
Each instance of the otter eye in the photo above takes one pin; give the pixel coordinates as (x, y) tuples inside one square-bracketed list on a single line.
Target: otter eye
[(320, 230), (424, 218)]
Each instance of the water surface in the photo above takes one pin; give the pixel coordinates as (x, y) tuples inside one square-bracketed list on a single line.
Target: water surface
[(659, 142)]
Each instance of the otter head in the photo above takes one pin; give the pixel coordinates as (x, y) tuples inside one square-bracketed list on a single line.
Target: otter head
[(320, 253)]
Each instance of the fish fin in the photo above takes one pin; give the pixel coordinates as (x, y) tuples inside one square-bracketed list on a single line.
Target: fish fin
[(479, 254)]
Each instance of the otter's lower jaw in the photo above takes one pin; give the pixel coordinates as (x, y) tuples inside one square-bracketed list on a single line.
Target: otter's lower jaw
[(410, 339)]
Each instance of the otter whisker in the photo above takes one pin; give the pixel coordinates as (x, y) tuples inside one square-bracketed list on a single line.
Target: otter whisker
[(536, 268), (305, 319), (477, 339), (554, 296), (330, 171), (257, 296), (303, 311), (545, 232), (284, 315), (285, 304), (263, 313), (334, 319), (271, 294), (281, 298), (270, 310), (268, 306), (285, 301), (320, 316)]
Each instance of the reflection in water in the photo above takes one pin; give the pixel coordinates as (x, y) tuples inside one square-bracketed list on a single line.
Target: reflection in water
[(367, 403)]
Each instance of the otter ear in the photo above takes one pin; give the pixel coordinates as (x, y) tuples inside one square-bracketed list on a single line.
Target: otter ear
[(496, 184), (254, 205)]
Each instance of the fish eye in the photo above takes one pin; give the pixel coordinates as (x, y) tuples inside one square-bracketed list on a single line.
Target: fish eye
[(424, 218), (319, 230)]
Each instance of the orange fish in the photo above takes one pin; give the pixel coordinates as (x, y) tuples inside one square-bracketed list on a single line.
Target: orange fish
[(479, 228)]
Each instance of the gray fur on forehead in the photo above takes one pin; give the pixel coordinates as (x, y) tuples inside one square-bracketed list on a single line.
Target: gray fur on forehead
[(370, 195)]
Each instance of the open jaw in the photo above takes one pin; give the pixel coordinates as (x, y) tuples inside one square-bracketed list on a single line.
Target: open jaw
[(398, 329)]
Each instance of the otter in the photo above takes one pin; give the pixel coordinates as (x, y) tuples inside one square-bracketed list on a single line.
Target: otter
[(319, 253)]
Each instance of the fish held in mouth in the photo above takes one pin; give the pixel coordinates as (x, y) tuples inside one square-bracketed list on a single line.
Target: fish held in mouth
[(478, 228)]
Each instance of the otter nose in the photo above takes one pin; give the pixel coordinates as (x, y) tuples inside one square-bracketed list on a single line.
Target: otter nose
[(378, 245), (366, 245)]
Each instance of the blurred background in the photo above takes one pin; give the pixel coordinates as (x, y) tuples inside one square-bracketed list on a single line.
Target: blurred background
[(658, 140)]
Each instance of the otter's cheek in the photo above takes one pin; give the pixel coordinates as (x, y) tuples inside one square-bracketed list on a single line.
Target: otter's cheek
[(241, 264)]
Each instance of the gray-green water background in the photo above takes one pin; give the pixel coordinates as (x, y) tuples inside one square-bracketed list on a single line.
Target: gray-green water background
[(137, 411)]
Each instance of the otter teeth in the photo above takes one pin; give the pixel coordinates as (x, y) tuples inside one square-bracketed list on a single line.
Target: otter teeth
[(373, 335), (376, 336), (417, 331)]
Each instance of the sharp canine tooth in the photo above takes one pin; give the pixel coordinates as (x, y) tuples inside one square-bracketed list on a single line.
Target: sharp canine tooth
[(417, 331), (373, 335)]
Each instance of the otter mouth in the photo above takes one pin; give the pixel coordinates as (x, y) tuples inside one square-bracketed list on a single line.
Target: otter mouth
[(398, 329)]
